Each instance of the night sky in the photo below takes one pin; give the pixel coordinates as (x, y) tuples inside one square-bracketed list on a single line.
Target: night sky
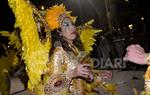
[(7, 18), (122, 12)]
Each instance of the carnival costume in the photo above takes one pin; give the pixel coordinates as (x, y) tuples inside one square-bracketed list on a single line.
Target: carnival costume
[(51, 75), (147, 76), (62, 63)]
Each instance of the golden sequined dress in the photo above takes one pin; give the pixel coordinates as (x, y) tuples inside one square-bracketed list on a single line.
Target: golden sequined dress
[(61, 65), (147, 77)]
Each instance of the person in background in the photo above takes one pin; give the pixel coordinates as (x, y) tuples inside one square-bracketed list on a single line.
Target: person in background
[(137, 55)]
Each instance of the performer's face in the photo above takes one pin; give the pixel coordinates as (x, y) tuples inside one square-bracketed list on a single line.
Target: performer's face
[(68, 29)]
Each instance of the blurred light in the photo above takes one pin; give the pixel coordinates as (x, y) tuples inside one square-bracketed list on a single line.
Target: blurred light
[(42, 7), (127, 0), (8, 46), (142, 18), (118, 29), (130, 26)]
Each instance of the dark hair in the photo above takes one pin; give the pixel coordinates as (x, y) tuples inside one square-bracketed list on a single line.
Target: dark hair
[(58, 40)]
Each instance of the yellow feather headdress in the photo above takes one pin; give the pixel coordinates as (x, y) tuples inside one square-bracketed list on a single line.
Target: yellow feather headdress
[(54, 14)]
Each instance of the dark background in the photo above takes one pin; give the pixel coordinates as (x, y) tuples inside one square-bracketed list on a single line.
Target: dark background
[(121, 14)]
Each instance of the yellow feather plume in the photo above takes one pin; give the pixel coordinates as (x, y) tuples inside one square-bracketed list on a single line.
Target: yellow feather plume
[(11, 59), (35, 53), (13, 39), (5, 33), (87, 33)]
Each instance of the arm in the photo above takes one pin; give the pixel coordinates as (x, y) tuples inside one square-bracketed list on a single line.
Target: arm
[(56, 65), (57, 81), (136, 54)]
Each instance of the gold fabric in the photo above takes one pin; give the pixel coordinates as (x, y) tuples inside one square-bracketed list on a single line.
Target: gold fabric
[(147, 74), (60, 69)]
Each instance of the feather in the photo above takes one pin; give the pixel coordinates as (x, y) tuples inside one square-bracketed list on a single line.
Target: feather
[(6, 62), (5, 33), (5, 82), (34, 53), (87, 33)]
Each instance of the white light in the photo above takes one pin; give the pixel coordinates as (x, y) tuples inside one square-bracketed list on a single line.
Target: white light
[(127, 0), (142, 18), (42, 7), (130, 26)]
